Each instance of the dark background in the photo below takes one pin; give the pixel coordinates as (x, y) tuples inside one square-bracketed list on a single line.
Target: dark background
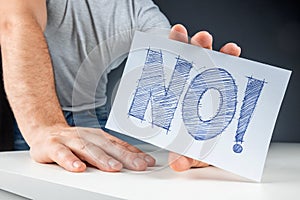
[(267, 31)]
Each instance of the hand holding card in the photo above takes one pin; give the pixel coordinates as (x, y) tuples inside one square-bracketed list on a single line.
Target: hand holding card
[(200, 103)]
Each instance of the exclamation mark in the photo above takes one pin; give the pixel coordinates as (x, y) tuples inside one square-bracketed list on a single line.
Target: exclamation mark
[(252, 93)]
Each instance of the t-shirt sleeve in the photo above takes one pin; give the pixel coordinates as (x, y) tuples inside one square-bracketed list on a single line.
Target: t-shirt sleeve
[(149, 18)]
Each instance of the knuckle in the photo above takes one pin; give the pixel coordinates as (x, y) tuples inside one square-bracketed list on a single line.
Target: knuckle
[(84, 146), (53, 139)]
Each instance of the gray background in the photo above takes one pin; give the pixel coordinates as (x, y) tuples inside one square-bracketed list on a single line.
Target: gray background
[(267, 31)]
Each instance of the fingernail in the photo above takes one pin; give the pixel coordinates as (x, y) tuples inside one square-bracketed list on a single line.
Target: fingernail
[(138, 162), (77, 164), (114, 164)]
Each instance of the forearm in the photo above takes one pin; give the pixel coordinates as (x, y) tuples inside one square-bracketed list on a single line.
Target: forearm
[(28, 76)]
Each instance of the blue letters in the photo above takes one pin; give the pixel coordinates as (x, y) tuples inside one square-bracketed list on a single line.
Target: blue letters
[(164, 101), (220, 80), (151, 86)]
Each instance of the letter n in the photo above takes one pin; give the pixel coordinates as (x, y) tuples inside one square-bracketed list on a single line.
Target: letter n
[(151, 88)]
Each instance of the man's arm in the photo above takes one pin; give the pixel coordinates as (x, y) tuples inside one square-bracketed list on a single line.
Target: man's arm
[(27, 70), (29, 84)]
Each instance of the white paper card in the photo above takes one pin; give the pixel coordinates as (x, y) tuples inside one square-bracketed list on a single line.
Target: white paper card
[(203, 104)]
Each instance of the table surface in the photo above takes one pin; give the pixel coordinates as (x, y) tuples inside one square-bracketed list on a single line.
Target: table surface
[(20, 175)]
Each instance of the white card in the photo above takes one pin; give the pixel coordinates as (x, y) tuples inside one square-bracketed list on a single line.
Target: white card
[(200, 103)]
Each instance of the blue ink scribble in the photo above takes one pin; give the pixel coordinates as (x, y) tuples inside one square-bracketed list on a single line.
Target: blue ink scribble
[(252, 93), (151, 87), (220, 80)]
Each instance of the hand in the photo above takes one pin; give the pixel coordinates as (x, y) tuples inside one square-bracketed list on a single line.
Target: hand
[(46, 131), (203, 39), (69, 147)]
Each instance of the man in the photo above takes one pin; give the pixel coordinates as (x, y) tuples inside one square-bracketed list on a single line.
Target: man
[(38, 88)]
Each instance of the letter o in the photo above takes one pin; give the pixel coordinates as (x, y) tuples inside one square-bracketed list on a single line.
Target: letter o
[(220, 80)]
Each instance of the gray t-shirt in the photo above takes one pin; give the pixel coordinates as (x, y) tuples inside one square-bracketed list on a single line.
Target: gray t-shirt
[(89, 38)]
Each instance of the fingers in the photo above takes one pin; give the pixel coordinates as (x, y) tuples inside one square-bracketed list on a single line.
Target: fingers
[(121, 142), (95, 156), (74, 145), (59, 154), (146, 157), (106, 152), (66, 159), (149, 159), (179, 33), (197, 164), (231, 49), (202, 39), (129, 148), (130, 160), (181, 163)]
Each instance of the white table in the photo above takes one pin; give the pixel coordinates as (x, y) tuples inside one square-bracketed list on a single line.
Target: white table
[(22, 176)]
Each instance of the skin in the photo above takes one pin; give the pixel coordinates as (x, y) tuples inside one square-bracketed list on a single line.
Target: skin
[(29, 84)]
